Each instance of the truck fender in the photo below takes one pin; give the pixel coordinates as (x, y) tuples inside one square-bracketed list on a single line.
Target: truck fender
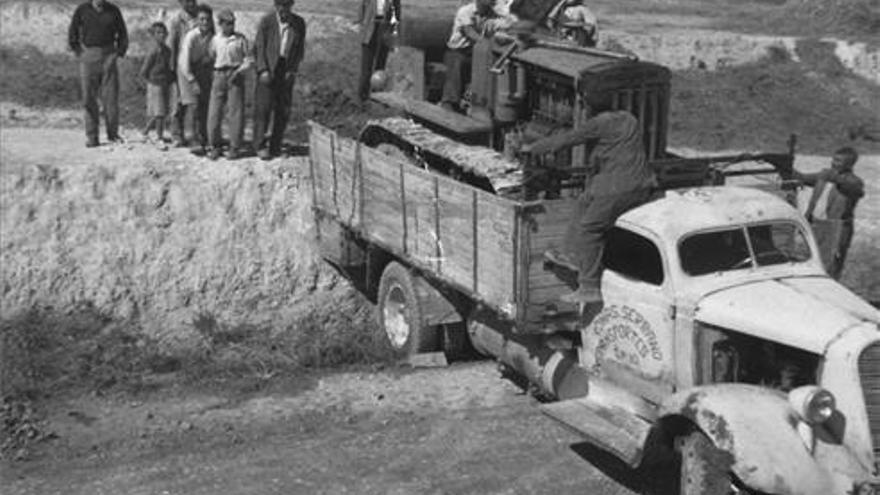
[(757, 428)]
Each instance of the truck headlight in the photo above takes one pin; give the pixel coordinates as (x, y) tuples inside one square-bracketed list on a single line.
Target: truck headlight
[(814, 404)]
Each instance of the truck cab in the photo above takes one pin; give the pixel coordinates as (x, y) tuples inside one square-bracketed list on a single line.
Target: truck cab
[(722, 327)]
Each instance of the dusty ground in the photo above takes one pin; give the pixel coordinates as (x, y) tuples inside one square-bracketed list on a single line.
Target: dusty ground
[(270, 421), (462, 429), (457, 430)]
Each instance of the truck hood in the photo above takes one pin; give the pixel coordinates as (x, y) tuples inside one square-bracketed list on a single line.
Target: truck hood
[(807, 313)]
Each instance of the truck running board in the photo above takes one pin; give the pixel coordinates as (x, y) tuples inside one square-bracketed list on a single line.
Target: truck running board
[(610, 428)]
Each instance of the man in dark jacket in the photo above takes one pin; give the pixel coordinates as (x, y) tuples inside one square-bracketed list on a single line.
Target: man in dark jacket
[(279, 46), (378, 19), (97, 35), (620, 180)]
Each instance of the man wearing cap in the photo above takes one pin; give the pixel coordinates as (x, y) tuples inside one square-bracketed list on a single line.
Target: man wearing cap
[(98, 36), (620, 179), (574, 21), (279, 46), (378, 18), (232, 57)]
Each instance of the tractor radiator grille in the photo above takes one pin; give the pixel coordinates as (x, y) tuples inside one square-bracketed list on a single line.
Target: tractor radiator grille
[(869, 372), (649, 103)]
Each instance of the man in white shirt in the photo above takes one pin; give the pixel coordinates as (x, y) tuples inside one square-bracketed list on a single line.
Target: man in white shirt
[(195, 68), (473, 21), (232, 57), (185, 21)]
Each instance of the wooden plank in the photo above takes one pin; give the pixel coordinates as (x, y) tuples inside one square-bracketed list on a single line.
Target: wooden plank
[(664, 119), (360, 179), (421, 242), (402, 185), (428, 112), (319, 149), (455, 230), (438, 243), (496, 252), (655, 122), (312, 180), (334, 186), (475, 238), (382, 210)]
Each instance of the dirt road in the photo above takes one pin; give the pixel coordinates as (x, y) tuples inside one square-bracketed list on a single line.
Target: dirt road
[(461, 429), (458, 430)]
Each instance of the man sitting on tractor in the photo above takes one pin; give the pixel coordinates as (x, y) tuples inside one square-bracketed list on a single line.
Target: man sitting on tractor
[(619, 179), (572, 20), (473, 21)]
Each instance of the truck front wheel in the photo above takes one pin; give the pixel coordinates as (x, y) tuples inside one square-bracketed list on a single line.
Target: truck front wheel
[(400, 314), (705, 470)]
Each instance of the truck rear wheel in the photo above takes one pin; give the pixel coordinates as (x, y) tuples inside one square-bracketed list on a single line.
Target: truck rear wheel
[(400, 314), (705, 470)]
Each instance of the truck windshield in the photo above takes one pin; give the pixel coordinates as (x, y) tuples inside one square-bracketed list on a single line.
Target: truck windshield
[(743, 247)]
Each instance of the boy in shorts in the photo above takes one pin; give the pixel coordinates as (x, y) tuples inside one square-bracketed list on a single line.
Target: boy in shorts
[(156, 71)]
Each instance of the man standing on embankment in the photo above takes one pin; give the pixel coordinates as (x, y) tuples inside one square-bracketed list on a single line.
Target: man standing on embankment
[(98, 36)]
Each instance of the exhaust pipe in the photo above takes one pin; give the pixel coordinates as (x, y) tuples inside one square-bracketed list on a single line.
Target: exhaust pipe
[(556, 373)]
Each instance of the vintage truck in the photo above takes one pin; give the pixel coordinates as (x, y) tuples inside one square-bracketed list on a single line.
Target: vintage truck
[(721, 337)]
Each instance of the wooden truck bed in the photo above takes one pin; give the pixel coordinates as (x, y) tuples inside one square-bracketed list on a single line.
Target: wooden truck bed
[(480, 244), (483, 245)]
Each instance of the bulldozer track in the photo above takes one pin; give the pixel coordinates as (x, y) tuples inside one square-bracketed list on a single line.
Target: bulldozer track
[(478, 165)]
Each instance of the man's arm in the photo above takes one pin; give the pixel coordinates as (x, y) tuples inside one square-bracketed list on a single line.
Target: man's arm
[(591, 129), (121, 34), (300, 48), (471, 33), (248, 61), (818, 186), (810, 179), (183, 62), (174, 35), (149, 60), (362, 12), (73, 32), (260, 62)]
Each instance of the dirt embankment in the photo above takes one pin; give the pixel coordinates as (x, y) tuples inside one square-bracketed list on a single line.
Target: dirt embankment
[(159, 239)]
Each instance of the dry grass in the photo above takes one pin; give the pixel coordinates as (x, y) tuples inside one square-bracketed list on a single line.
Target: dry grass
[(830, 17), (757, 106)]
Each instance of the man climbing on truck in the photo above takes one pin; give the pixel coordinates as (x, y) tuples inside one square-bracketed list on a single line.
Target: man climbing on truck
[(619, 179)]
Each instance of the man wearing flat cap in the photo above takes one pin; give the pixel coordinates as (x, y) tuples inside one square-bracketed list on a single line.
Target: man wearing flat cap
[(279, 46)]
